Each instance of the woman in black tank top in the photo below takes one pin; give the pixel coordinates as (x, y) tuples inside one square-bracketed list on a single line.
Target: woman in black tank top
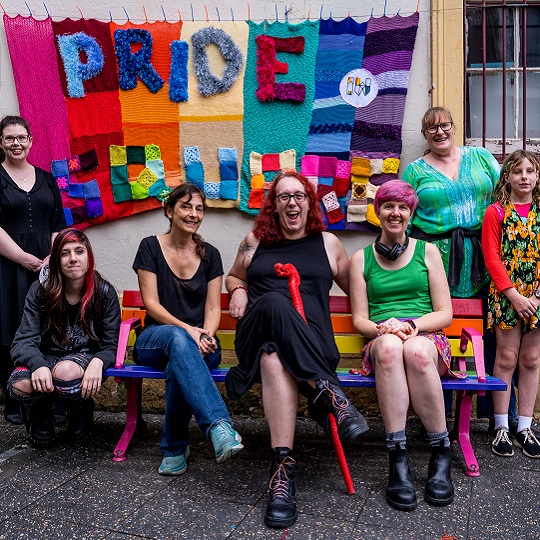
[(275, 344)]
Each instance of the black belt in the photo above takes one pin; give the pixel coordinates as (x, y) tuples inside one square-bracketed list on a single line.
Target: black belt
[(457, 252)]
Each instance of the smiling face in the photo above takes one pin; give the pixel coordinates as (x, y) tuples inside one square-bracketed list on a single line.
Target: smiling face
[(74, 261), (394, 217), (15, 150), (292, 213), (523, 178), (440, 142), (187, 214)]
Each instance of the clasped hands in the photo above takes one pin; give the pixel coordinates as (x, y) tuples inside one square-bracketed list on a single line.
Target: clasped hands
[(401, 329)]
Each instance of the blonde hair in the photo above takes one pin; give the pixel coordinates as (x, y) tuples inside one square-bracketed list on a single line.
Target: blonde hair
[(433, 115), (503, 190)]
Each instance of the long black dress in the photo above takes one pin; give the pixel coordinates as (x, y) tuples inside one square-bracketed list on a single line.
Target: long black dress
[(272, 324), (29, 219)]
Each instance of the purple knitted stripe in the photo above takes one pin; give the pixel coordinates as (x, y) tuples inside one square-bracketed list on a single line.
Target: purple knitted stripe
[(380, 179), (389, 40), (372, 129), (395, 60), (371, 144), (372, 155), (387, 109), (391, 23)]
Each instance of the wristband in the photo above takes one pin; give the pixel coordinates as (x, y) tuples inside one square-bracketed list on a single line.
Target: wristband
[(411, 322), (236, 288)]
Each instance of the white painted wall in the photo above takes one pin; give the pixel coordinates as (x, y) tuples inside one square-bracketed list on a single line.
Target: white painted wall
[(115, 243)]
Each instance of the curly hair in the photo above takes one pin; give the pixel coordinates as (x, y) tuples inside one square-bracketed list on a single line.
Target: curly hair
[(54, 289), (503, 189), (186, 190), (267, 228)]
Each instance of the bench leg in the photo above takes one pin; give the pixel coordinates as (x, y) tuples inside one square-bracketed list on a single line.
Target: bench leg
[(342, 460), (134, 419), (461, 432)]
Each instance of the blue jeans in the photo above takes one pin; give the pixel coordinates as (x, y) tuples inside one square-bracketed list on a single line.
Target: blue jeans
[(190, 389)]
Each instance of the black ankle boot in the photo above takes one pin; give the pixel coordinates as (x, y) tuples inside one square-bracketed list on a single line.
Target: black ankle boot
[(80, 416), (281, 509), (12, 410), (439, 487), (40, 423), (400, 493), (351, 424)]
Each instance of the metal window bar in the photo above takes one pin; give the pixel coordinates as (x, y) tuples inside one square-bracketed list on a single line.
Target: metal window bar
[(519, 47)]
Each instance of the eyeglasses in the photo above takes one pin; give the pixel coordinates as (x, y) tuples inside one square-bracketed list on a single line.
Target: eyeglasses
[(9, 139), (286, 197), (445, 126)]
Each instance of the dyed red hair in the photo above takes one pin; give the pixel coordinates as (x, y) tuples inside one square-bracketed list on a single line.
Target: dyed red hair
[(267, 228), (54, 293)]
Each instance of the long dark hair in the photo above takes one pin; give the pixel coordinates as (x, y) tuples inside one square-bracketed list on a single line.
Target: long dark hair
[(178, 193), (12, 121), (55, 301)]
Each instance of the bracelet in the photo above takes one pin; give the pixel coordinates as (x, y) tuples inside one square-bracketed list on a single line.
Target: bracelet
[(236, 288), (411, 322)]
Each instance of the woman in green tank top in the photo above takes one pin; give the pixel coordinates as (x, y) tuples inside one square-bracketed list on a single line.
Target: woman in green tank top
[(400, 301)]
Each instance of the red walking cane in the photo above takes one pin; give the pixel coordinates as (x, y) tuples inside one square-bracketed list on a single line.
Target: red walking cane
[(291, 273)]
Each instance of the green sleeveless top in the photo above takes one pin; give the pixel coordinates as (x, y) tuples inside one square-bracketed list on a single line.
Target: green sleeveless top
[(402, 293)]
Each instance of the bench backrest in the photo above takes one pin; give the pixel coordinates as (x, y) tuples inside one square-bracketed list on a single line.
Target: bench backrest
[(467, 313)]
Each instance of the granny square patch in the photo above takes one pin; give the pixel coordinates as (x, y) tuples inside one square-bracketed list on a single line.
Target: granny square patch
[(74, 164), (152, 151), (211, 190), (147, 178), (191, 155)]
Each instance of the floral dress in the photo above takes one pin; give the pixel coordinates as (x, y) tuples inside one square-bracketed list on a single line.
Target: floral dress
[(521, 258)]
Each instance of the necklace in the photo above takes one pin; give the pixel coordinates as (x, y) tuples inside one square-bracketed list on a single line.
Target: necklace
[(11, 173)]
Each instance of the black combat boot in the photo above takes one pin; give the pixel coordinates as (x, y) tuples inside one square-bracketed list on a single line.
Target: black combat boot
[(439, 487), (400, 493), (281, 509), (80, 416), (39, 420), (351, 424)]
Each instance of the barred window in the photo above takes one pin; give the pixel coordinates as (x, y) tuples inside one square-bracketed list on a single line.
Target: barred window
[(502, 86)]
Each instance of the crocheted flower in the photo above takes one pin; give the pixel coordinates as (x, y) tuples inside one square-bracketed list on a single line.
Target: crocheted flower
[(131, 64), (207, 83), (76, 71)]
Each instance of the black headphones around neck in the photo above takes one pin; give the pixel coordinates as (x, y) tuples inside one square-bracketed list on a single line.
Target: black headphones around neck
[(390, 253)]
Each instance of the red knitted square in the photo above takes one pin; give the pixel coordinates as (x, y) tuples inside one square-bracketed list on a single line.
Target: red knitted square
[(335, 215), (341, 186), (270, 162), (323, 190), (256, 198)]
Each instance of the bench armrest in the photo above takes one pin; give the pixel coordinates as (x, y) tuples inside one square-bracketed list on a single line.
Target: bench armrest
[(470, 335), (125, 328)]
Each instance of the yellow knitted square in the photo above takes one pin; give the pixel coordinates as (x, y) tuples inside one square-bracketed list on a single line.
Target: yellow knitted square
[(360, 166), (118, 155), (152, 151), (390, 165), (147, 178), (358, 191)]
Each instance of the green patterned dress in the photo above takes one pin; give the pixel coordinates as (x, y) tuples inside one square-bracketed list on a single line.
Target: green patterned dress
[(521, 258), (445, 204)]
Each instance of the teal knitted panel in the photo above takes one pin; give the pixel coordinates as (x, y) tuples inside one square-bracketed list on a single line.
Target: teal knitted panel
[(275, 126)]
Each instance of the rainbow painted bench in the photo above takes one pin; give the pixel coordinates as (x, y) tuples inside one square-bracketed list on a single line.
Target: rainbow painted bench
[(465, 335)]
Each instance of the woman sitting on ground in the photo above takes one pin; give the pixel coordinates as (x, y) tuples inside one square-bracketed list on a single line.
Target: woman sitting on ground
[(180, 279), (401, 301), (67, 337)]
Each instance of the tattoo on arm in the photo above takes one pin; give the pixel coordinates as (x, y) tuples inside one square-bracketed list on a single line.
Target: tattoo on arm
[(245, 246)]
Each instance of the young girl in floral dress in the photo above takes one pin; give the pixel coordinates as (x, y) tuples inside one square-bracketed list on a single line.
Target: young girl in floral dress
[(511, 239)]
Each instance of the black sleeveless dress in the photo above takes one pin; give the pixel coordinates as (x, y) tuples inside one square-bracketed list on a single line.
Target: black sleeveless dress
[(272, 324)]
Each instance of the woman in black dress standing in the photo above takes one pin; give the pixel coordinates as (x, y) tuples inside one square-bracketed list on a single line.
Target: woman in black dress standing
[(31, 214)]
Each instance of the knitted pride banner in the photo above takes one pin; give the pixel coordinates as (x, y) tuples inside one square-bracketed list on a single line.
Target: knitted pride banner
[(121, 114)]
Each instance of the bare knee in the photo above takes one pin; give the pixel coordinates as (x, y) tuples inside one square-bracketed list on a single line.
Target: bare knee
[(22, 388), (506, 358), (420, 355), (67, 371), (387, 351)]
